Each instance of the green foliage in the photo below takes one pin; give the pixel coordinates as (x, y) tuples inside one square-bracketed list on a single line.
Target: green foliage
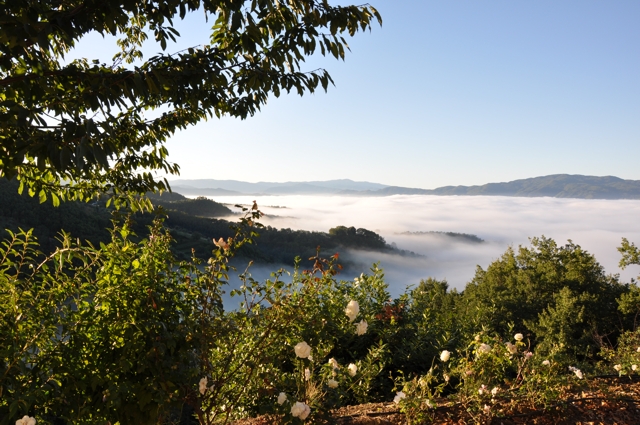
[(357, 238), (72, 129), (625, 357), (92, 335), (537, 288)]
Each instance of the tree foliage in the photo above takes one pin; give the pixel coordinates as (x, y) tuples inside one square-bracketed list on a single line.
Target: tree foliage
[(74, 129), (551, 291)]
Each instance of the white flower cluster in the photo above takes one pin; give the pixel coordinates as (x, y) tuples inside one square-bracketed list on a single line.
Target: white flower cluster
[(282, 397), (512, 348), (333, 363), (26, 420), (399, 396), (577, 371), (484, 348), (302, 349), (300, 410), (361, 328), (352, 310), (445, 356), (202, 385)]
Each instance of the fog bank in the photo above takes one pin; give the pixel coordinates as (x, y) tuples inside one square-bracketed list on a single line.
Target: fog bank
[(596, 225)]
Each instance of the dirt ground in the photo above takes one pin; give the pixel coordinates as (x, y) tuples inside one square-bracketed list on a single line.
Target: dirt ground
[(609, 400)]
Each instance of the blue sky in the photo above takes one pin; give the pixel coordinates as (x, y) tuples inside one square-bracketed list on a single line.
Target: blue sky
[(448, 93)]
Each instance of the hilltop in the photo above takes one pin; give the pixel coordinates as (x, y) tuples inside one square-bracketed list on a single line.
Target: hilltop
[(556, 186)]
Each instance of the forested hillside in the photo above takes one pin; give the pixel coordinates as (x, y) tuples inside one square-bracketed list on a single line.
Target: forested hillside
[(194, 224)]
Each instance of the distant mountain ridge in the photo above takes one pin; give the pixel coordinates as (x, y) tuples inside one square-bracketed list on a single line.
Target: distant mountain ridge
[(556, 186)]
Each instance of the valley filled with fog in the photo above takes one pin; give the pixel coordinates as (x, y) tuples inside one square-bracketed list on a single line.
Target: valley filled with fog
[(595, 225)]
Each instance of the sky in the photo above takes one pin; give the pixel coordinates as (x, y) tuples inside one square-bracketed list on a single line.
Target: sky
[(447, 93), (443, 93)]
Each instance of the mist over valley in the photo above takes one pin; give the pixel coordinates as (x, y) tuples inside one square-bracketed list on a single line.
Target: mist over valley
[(483, 228)]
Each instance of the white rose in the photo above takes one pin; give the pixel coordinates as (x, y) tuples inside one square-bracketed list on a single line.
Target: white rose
[(518, 337), (445, 356), (361, 328), (513, 349), (618, 367), (634, 367), (577, 371), (282, 397), (484, 348), (546, 363), (353, 369), (495, 391), (26, 420), (305, 413), (297, 408), (399, 396), (333, 363), (202, 385), (352, 310), (332, 383), (302, 350)]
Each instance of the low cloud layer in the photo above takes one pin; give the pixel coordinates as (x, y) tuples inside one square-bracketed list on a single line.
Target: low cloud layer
[(596, 225)]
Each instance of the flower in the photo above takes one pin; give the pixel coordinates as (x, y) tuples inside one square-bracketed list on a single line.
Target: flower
[(353, 369), (333, 363), (495, 391), (546, 362), (26, 420), (399, 396), (305, 413), (511, 347), (361, 328), (221, 243), (638, 350), (445, 356), (446, 377), (518, 337), (618, 367), (487, 409), (302, 350), (352, 310), (307, 374), (332, 383), (298, 409), (577, 371), (202, 385), (482, 389), (282, 397), (484, 348), (528, 354), (634, 367)]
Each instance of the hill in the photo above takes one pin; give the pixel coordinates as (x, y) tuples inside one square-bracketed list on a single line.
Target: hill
[(193, 223), (556, 186)]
